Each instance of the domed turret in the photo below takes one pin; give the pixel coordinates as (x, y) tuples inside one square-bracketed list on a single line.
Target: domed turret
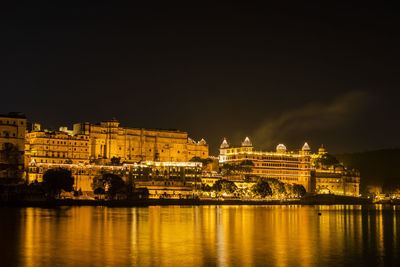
[(224, 144), (322, 150), (306, 147), (281, 148), (246, 142)]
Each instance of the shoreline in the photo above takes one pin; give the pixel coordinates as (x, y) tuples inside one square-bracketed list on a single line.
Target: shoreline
[(314, 200)]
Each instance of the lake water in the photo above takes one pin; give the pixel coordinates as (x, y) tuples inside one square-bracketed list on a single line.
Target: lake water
[(201, 236)]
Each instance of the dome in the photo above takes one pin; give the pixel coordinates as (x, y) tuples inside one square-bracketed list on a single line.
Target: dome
[(322, 150), (202, 142), (224, 144), (281, 148), (306, 147), (246, 142)]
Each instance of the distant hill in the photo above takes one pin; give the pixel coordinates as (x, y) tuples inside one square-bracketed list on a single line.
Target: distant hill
[(377, 167)]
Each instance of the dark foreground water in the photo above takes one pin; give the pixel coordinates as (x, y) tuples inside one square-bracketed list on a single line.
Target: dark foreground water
[(201, 236)]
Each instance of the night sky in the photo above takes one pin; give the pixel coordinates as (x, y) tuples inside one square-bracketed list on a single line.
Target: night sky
[(278, 74)]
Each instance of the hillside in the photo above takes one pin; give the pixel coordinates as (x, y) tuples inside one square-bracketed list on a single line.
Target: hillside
[(377, 167)]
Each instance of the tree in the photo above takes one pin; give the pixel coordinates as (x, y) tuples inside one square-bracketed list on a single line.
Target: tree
[(224, 186), (204, 162), (244, 167), (110, 183), (326, 160), (299, 190), (56, 180), (278, 188), (11, 160), (143, 193), (115, 161), (206, 188), (227, 169), (247, 163), (99, 191), (289, 189), (261, 188), (11, 155)]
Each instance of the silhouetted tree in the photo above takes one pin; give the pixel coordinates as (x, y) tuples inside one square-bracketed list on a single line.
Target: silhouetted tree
[(299, 190), (278, 188), (143, 193), (56, 180), (99, 191), (10, 159), (326, 160), (206, 188), (224, 186), (261, 188), (115, 161), (110, 183), (204, 162), (244, 167)]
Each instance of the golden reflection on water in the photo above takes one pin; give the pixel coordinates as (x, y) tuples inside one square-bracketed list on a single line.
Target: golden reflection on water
[(207, 236)]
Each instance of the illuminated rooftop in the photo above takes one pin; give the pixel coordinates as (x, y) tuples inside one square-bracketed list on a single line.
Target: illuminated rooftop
[(224, 144), (246, 142)]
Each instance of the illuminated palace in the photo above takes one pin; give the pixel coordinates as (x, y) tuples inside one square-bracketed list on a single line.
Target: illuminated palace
[(90, 149), (293, 167), (288, 167), (109, 140), (166, 162), (100, 143)]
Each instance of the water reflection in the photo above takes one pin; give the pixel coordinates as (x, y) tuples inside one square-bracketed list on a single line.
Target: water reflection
[(201, 236)]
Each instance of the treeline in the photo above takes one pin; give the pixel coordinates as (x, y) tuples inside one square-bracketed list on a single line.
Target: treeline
[(264, 188), (58, 180), (111, 186)]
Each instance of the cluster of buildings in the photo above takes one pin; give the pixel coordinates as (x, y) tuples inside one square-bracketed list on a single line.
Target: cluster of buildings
[(293, 167), (166, 162)]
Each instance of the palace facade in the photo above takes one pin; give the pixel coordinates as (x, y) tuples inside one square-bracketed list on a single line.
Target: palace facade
[(103, 142), (155, 159), (56, 147), (109, 140), (287, 167), (293, 167)]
